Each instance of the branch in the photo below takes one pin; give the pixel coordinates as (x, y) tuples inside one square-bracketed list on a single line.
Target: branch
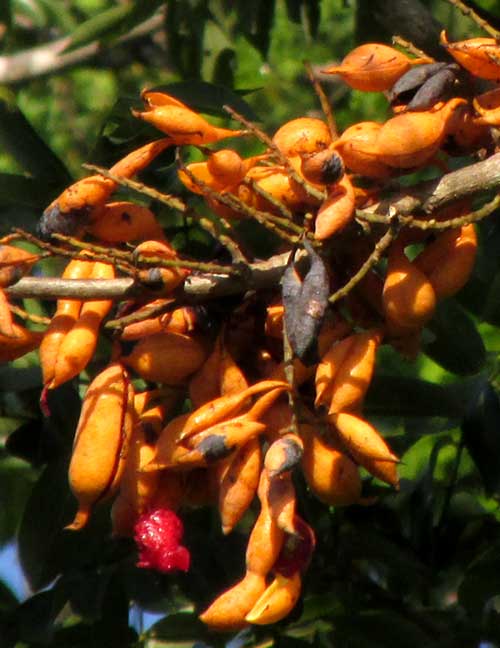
[(49, 58), (399, 210), (196, 288), (433, 195)]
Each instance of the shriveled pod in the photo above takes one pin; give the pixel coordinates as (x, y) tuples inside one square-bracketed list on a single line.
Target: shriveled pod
[(80, 342), (14, 264), (408, 297), (239, 484), (487, 105), (302, 135), (102, 440), (136, 487), (449, 260), (227, 406), (366, 446), (179, 320), (411, 139), (283, 455), (121, 222), (277, 601), (69, 212), (21, 342), (67, 313), (330, 474), (180, 123), (230, 608), (266, 538), (358, 147), (204, 385), (168, 446), (218, 442), (232, 378), (337, 211), (373, 67), (168, 358), (345, 372), (169, 493), (480, 56), (168, 278)]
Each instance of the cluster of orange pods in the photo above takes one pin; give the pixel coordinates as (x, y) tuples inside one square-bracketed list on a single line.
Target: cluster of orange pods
[(249, 426)]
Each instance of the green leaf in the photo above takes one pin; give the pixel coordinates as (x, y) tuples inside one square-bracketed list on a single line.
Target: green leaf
[(112, 22), (49, 508), (458, 347), (481, 582), (6, 13), (20, 378), (382, 629), (481, 428), (24, 190), (7, 598), (185, 26), (19, 139), (34, 619), (182, 626), (405, 396), (224, 68)]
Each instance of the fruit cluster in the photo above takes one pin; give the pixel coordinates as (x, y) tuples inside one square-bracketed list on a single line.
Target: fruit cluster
[(295, 402)]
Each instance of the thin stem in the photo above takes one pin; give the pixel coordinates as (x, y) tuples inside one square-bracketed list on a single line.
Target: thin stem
[(381, 246), (166, 199), (323, 99), (470, 13), (410, 47), (265, 139)]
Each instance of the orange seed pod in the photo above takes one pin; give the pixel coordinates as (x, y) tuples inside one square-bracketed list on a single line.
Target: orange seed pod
[(411, 139), (366, 446), (331, 475), (277, 601), (101, 440), (229, 609), (408, 297), (337, 211), (14, 263), (78, 345), (373, 67), (302, 135), (168, 358), (449, 260), (239, 484), (121, 222), (67, 312), (480, 56)]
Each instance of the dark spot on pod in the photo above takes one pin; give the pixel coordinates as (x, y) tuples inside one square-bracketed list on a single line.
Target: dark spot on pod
[(292, 454), (325, 167), (54, 221), (214, 448)]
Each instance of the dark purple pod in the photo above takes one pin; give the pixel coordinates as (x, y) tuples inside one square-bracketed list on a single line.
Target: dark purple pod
[(437, 88)]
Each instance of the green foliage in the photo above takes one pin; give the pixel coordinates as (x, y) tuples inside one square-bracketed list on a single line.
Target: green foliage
[(418, 567)]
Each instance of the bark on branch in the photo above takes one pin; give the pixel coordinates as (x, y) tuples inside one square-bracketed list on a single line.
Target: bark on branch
[(49, 58), (425, 198)]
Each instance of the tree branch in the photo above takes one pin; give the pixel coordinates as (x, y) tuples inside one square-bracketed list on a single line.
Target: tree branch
[(49, 58), (398, 210)]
